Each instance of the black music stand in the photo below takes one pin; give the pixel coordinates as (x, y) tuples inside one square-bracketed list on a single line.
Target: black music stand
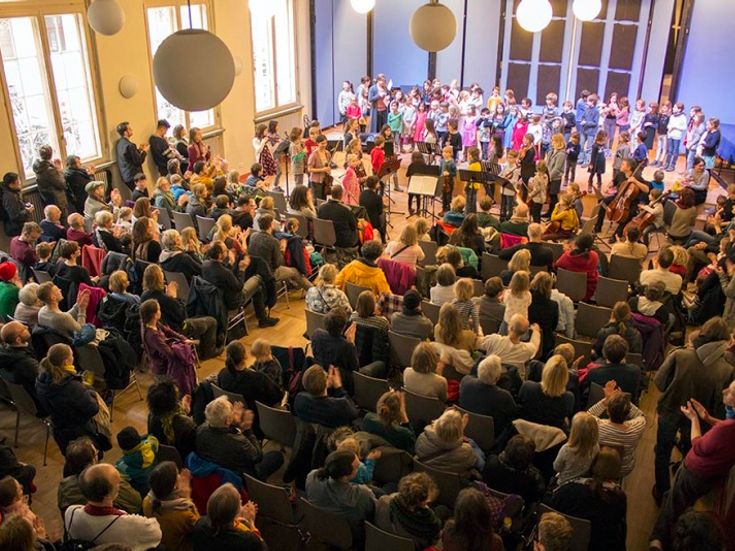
[(430, 150), (334, 146), (430, 171), (387, 170), (479, 177)]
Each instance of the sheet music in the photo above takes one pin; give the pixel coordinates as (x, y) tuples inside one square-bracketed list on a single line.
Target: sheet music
[(422, 185)]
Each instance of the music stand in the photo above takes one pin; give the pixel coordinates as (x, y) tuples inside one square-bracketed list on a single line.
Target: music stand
[(427, 188), (428, 149), (388, 169), (333, 146), (479, 177)]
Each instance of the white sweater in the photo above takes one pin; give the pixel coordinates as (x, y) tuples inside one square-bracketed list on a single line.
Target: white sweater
[(140, 533)]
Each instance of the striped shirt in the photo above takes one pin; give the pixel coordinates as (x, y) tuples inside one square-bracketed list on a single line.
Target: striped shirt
[(468, 314), (614, 436)]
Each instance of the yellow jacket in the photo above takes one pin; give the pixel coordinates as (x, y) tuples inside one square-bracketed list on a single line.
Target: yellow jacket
[(567, 218), (177, 519), (364, 275)]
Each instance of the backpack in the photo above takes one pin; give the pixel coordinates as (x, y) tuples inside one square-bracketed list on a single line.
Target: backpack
[(73, 544), (507, 511)]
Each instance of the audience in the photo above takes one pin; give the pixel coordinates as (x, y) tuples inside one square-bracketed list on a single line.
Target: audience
[(512, 471), (18, 362), (364, 272), (10, 286), (410, 320), (323, 400), (471, 527), (168, 416), (582, 259), (482, 394), (424, 377), (228, 524), (391, 421), (443, 446), (548, 402), (325, 296)]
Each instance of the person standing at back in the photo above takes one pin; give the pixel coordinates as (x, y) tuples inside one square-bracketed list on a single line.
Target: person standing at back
[(130, 157)]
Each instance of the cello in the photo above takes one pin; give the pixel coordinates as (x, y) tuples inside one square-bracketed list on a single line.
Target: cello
[(645, 218), (624, 200)]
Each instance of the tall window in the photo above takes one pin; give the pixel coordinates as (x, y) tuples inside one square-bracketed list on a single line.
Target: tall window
[(273, 56), (162, 22), (50, 86)]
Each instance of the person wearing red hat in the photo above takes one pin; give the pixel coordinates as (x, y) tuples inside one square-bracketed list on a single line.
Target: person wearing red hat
[(9, 287)]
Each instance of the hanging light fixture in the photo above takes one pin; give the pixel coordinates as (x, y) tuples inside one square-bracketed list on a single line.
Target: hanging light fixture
[(201, 77), (534, 15), (586, 10), (362, 6), (106, 17), (433, 26)]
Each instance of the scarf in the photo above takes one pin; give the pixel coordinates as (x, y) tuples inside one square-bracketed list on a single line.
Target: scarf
[(175, 502), (420, 523), (167, 424)]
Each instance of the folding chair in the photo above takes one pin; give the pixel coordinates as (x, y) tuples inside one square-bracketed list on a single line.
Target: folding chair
[(182, 285), (429, 248), (279, 200), (326, 527), (401, 348), (380, 540), (183, 220), (41, 276), (303, 224), (273, 502), (572, 284), (218, 391), (277, 424), (581, 528), (481, 428), (21, 402), (557, 249), (590, 319), (489, 325), (353, 291), (610, 291), (491, 266), (478, 288), (596, 394), (314, 321), (449, 484), (164, 220), (422, 409), (627, 269), (581, 348), (431, 311), (368, 390), (324, 235), (205, 226), (169, 453)]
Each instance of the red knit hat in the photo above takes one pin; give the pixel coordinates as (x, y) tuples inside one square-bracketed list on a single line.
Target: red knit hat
[(7, 271)]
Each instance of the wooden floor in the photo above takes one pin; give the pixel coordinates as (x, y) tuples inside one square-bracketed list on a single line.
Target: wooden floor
[(131, 411)]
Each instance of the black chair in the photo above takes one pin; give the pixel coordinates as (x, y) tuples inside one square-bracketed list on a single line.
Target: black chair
[(581, 528), (277, 424), (324, 235), (572, 284), (326, 527), (380, 540), (590, 319), (183, 220), (205, 225), (449, 484), (610, 291), (218, 391), (353, 291), (422, 410), (169, 453), (481, 428), (273, 502), (368, 390), (401, 348), (581, 348), (314, 321), (431, 311), (627, 269), (491, 265), (429, 248), (22, 402)]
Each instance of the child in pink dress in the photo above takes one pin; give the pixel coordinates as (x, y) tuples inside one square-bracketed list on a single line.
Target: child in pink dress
[(420, 125), (520, 129), (350, 183), (469, 129)]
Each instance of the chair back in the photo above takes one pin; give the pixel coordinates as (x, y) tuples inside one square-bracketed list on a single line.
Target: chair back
[(429, 248), (478, 288), (279, 200), (273, 502), (393, 465), (431, 311), (596, 394), (41, 276), (90, 359), (353, 291), (303, 224), (491, 266), (536, 269), (277, 424), (22, 401), (636, 358), (669, 210), (627, 269), (183, 220), (581, 348), (590, 319), (182, 285), (401, 348), (169, 453), (218, 391), (449, 484), (489, 325), (572, 284), (314, 321), (481, 428), (557, 249), (581, 528), (422, 410), (204, 227), (609, 291), (325, 526), (324, 234), (164, 219), (368, 390), (380, 540), (588, 228)]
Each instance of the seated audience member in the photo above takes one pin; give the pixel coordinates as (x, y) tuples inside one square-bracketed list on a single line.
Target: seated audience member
[(331, 489), (51, 316), (517, 224), (18, 363), (452, 256), (234, 238), (581, 258), (252, 385), (510, 348), (631, 247), (468, 235), (10, 285), (651, 302), (266, 363), (615, 368), (518, 297), (323, 400), (68, 266), (443, 291), (345, 223), (471, 527), (301, 201), (13, 503), (163, 198), (168, 416), (371, 332), (197, 205), (464, 289), (109, 237), (554, 533), (175, 259), (44, 264), (408, 513), (567, 313), (80, 454), (623, 427), (661, 272), (229, 524), (548, 402), (424, 377), (697, 531), (685, 215), (227, 439), (512, 471), (95, 201), (576, 456), (242, 215), (100, 520), (621, 323), (77, 230), (364, 271), (405, 249), (71, 404), (23, 247), (266, 207), (240, 287), (599, 499), (174, 314), (449, 330), (705, 466), (141, 187), (490, 309), (51, 227), (169, 502), (698, 372), (543, 311), (146, 245), (138, 458), (118, 284), (410, 320), (391, 421), (159, 341), (541, 254), (455, 215), (482, 394), (442, 445), (519, 262), (325, 295)]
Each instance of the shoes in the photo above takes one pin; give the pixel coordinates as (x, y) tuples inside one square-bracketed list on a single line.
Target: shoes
[(669, 169), (267, 322), (613, 240)]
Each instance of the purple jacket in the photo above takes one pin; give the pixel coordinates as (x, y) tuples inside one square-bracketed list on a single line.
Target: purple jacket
[(401, 277)]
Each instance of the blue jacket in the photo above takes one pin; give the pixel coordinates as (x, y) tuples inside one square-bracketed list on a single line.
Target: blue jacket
[(581, 107), (640, 153), (710, 143), (590, 120)]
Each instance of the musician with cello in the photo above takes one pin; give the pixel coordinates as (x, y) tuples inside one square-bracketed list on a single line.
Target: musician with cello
[(632, 191)]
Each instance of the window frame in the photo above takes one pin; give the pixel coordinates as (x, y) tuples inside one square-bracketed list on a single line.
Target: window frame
[(177, 5), (278, 109), (39, 12)]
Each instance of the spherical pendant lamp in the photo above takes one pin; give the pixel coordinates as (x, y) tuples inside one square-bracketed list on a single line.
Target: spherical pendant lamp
[(586, 10), (362, 6), (433, 26), (194, 69), (534, 15), (105, 17)]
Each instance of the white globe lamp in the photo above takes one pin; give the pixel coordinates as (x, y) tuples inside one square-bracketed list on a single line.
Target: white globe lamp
[(362, 6), (105, 17), (433, 26), (534, 15), (194, 69), (586, 10)]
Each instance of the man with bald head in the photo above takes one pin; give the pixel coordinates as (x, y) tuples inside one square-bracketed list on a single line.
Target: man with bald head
[(541, 255), (510, 348), (100, 522), (18, 363)]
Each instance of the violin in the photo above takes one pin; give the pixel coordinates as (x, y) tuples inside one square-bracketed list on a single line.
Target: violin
[(621, 206), (645, 218)]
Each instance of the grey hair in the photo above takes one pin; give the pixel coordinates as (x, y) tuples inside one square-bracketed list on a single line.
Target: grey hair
[(518, 324), (27, 295), (448, 427), (218, 412), (170, 238), (490, 369), (103, 217)]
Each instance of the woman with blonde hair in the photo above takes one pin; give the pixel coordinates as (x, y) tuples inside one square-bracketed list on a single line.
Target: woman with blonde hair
[(548, 402), (455, 215), (325, 295), (422, 229), (405, 249), (451, 331), (390, 422), (564, 220), (266, 206), (230, 235), (191, 244), (198, 199), (425, 374), (443, 445), (162, 196), (464, 290), (519, 262), (575, 458), (556, 160), (516, 299)]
